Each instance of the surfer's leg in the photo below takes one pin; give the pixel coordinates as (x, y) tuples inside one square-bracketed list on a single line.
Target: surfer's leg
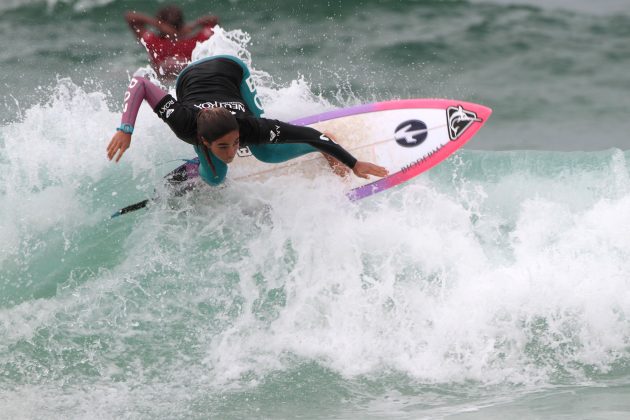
[(205, 171), (276, 153)]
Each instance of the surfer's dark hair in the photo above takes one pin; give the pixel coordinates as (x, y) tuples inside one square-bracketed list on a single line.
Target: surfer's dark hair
[(172, 15), (213, 123)]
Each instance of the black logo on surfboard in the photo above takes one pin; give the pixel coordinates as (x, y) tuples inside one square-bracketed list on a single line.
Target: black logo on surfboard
[(411, 133), (459, 120)]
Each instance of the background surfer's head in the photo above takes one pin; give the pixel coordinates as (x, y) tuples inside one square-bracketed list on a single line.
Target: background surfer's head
[(217, 130), (172, 15)]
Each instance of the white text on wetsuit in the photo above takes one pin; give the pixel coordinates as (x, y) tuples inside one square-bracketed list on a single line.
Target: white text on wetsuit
[(132, 84), (236, 106)]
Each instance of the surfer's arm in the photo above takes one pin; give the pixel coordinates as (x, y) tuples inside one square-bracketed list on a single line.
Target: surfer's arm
[(138, 23), (324, 143), (204, 23), (274, 131), (139, 89), (180, 118)]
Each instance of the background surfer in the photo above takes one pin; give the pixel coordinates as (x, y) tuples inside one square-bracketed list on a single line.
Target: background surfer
[(215, 113), (171, 47)]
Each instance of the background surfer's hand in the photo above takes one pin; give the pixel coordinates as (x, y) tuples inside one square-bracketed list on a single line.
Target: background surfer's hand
[(363, 169), (119, 144)]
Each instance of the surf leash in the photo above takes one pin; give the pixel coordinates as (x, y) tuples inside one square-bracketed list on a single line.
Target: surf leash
[(144, 203), (133, 207)]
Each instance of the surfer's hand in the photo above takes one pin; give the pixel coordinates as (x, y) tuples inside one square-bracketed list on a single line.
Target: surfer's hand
[(119, 144), (363, 169)]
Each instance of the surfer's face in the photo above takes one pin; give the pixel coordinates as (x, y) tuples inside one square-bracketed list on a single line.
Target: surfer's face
[(225, 147)]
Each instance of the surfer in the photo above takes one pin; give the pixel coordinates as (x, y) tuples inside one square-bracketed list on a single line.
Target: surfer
[(217, 112), (171, 47)]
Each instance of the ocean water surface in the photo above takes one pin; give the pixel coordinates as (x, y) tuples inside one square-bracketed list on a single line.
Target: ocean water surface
[(496, 285)]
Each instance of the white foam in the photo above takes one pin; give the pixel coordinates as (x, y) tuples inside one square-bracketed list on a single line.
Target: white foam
[(409, 287)]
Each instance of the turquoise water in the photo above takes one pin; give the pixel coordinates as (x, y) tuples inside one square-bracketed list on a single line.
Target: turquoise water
[(494, 286)]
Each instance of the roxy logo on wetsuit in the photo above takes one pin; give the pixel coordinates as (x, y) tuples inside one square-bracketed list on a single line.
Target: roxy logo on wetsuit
[(232, 106), (166, 109), (274, 134)]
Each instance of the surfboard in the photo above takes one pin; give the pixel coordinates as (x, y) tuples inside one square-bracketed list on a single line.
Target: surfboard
[(406, 136)]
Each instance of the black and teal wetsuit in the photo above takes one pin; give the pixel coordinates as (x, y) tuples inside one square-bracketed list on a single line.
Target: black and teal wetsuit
[(224, 81)]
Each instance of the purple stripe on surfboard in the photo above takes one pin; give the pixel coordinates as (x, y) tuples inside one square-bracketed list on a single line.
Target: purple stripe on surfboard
[(337, 113), (384, 106)]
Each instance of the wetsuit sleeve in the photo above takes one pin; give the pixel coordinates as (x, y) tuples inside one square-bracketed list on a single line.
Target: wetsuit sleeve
[(274, 131), (139, 88), (181, 119)]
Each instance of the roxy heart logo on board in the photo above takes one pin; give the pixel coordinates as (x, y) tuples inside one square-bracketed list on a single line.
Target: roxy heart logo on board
[(411, 133), (459, 120)]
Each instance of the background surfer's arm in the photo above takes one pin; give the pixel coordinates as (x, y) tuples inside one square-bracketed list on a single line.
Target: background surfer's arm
[(138, 23), (203, 23)]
